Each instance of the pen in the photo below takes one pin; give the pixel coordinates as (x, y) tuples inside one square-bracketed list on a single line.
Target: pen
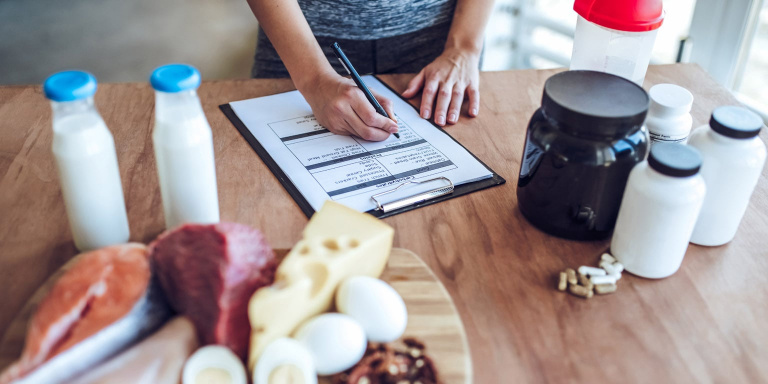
[(359, 81)]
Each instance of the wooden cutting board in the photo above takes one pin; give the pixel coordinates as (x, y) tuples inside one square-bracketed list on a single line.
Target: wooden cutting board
[(432, 316)]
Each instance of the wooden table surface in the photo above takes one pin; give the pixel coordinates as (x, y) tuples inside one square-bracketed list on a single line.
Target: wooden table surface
[(706, 323)]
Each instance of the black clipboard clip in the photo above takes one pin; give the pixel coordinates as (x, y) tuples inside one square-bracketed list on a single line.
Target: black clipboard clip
[(415, 199)]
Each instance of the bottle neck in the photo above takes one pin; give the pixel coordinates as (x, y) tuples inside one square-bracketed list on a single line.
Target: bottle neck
[(661, 112), (660, 177), (725, 140), (177, 106), (63, 109)]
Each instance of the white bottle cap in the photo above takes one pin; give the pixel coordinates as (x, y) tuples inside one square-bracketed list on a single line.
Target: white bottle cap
[(669, 100)]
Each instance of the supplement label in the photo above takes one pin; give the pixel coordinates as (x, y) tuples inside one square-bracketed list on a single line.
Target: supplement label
[(661, 138)]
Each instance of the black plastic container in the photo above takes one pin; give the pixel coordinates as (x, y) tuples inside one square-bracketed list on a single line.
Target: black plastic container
[(579, 149)]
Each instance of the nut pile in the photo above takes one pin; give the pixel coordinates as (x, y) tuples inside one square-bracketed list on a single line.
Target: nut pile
[(386, 364), (590, 280)]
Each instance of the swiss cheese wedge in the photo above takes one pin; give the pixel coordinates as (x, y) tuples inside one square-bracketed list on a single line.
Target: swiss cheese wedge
[(338, 242)]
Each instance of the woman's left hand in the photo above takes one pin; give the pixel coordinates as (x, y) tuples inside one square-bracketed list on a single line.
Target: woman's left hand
[(445, 82)]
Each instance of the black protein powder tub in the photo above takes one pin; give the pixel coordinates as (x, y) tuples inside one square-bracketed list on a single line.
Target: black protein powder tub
[(579, 148)]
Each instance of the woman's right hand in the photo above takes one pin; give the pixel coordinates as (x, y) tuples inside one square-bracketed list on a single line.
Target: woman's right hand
[(341, 107)]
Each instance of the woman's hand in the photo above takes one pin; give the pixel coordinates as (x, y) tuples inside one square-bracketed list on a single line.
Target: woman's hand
[(341, 107), (445, 82)]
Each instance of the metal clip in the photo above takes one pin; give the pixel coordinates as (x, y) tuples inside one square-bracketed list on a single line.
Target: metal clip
[(415, 199)]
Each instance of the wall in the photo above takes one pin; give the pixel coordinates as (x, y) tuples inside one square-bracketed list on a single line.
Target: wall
[(124, 40)]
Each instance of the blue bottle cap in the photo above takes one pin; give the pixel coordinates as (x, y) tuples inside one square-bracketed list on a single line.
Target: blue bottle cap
[(175, 78), (69, 86)]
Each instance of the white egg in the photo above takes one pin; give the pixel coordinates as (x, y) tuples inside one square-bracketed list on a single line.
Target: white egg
[(214, 364), (375, 305), (285, 360), (336, 341)]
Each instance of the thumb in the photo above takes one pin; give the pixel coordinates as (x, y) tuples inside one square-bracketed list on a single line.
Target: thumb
[(388, 106), (414, 86)]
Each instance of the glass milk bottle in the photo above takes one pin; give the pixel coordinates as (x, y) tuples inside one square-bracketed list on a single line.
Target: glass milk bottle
[(734, 157), (616, 36), (183, 148), (85, 156)]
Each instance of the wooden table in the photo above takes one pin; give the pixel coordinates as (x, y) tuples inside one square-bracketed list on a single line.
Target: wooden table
[(707, 323)]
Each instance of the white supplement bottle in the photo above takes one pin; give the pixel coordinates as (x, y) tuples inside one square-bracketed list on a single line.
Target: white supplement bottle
[(85, 156), (669, 119), (183, 144), (733, 157), (660, 206)]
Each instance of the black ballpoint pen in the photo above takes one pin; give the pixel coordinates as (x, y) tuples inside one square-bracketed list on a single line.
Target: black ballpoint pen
[(359, 81)]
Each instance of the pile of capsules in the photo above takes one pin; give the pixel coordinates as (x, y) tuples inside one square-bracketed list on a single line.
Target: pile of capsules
[(591, 280)]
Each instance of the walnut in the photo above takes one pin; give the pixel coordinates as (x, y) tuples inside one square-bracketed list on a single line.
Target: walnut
[(405, 363)]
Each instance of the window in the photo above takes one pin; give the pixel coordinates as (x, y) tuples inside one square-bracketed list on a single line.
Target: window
[(751, 82), (729, 39), (539, 33)]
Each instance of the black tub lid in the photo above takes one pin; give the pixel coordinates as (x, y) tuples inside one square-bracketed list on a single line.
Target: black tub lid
[(735, 122), (674, 159), (595, 102)]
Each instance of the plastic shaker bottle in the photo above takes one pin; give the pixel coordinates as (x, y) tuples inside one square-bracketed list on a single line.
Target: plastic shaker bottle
[(183, 144), (616, 36), (85, 156)]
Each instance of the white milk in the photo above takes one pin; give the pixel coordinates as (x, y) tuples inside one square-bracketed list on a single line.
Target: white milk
[(90, 179), (185, 160)]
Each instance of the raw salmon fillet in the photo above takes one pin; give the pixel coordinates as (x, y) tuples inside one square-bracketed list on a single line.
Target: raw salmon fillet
[(209, 272), (103, 287)]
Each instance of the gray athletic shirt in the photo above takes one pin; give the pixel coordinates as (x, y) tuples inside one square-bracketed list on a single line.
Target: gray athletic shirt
[(374, 19)]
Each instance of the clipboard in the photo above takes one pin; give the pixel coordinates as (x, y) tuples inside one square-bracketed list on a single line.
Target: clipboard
[(383, 208)]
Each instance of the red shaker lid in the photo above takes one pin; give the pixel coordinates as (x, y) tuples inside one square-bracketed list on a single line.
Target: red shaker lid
[(622, 15)]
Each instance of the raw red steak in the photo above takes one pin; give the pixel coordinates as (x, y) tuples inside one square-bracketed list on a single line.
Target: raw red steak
[(209, 272)]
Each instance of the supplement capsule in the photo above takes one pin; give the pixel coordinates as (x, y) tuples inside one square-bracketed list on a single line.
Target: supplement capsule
[(580, 291), (571, 274), (619, 267), (591, 271), (597, 280), (603, 289), (608, 267), (584, 281), (607, 257), (563, 283)]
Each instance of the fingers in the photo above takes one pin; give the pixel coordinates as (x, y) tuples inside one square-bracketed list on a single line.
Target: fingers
[(336, 124), (457, 98), (444, 96), (428, 97), (346, 122), (366, 122), (388, 105), (368, 115), (365, 132), (474, 100), (414, 85)]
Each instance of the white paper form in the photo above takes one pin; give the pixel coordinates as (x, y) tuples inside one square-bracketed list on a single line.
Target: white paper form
[(325, 166)]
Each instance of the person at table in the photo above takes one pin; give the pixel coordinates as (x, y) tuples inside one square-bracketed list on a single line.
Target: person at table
[(441, 40)]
